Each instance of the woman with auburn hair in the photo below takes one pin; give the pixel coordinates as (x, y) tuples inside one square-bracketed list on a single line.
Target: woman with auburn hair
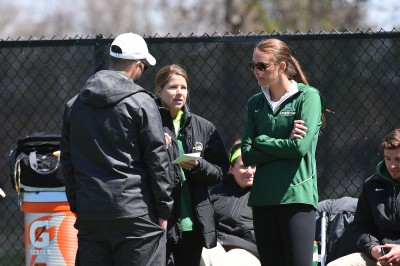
[(280, 136)]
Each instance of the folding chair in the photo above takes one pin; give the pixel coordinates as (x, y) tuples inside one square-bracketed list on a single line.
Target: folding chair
[(322, 253), (334, 234)]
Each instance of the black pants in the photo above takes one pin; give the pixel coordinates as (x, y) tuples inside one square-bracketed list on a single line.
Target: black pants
[(187, 251), (135, 241), (285, 234)]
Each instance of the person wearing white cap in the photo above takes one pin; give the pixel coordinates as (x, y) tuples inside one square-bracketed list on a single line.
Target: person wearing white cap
[(115, 163)]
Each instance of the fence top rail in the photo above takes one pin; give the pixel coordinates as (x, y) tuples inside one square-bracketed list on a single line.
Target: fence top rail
[(206, 38)]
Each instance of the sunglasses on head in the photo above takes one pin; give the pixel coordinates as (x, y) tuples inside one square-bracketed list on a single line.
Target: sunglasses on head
[(260, 66)]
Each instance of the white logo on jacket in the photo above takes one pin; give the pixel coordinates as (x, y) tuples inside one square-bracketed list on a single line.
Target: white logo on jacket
[(198, 147)]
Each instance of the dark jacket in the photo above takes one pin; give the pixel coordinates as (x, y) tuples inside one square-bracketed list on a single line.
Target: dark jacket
[(377, 218), (340, 237), (235, 217), (200, 136), (113, 151)]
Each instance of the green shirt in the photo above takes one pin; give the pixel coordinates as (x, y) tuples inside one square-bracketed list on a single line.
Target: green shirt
[(186, 202), (286, 169)]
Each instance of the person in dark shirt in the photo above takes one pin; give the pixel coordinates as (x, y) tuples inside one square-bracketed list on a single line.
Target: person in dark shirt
[(115, 163), (377, 219), (191, 225), (236, 242)]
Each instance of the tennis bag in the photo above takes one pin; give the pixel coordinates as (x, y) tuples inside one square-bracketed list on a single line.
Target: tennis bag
[(35, 163)]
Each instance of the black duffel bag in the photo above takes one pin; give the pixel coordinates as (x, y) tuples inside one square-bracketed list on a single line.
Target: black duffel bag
[(35, 163)]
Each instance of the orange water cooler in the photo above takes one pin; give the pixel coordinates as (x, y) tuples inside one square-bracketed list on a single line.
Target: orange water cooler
[(49, 233)]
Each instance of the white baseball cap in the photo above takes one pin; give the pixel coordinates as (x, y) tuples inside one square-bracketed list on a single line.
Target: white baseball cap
[(133, 47)]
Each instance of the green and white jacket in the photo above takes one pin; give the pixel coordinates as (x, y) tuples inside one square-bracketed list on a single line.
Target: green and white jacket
[(286, 169)]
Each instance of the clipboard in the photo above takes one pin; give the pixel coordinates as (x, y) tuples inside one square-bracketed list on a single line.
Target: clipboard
[(187, 157)]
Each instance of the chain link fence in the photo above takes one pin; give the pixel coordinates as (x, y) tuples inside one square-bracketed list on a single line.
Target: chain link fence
[(357, 73)]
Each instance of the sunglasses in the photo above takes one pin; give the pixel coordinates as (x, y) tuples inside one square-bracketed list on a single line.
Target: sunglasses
[(260, 66), (145, 65)]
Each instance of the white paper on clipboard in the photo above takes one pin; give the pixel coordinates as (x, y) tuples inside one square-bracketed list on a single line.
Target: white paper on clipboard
[(187, 157)]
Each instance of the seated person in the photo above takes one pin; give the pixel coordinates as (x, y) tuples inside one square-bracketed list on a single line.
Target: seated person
[(236, 241), (377, 218)]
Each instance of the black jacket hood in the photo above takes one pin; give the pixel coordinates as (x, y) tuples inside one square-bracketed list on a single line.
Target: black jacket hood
[(107, 88)]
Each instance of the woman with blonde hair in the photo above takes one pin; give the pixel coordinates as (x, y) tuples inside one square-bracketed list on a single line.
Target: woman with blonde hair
[(192, 223)]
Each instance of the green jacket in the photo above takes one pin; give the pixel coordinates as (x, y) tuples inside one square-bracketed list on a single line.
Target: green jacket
[(286, 169)]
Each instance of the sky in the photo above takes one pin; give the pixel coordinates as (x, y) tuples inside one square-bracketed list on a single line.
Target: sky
[(385, 16), (380, 16)]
